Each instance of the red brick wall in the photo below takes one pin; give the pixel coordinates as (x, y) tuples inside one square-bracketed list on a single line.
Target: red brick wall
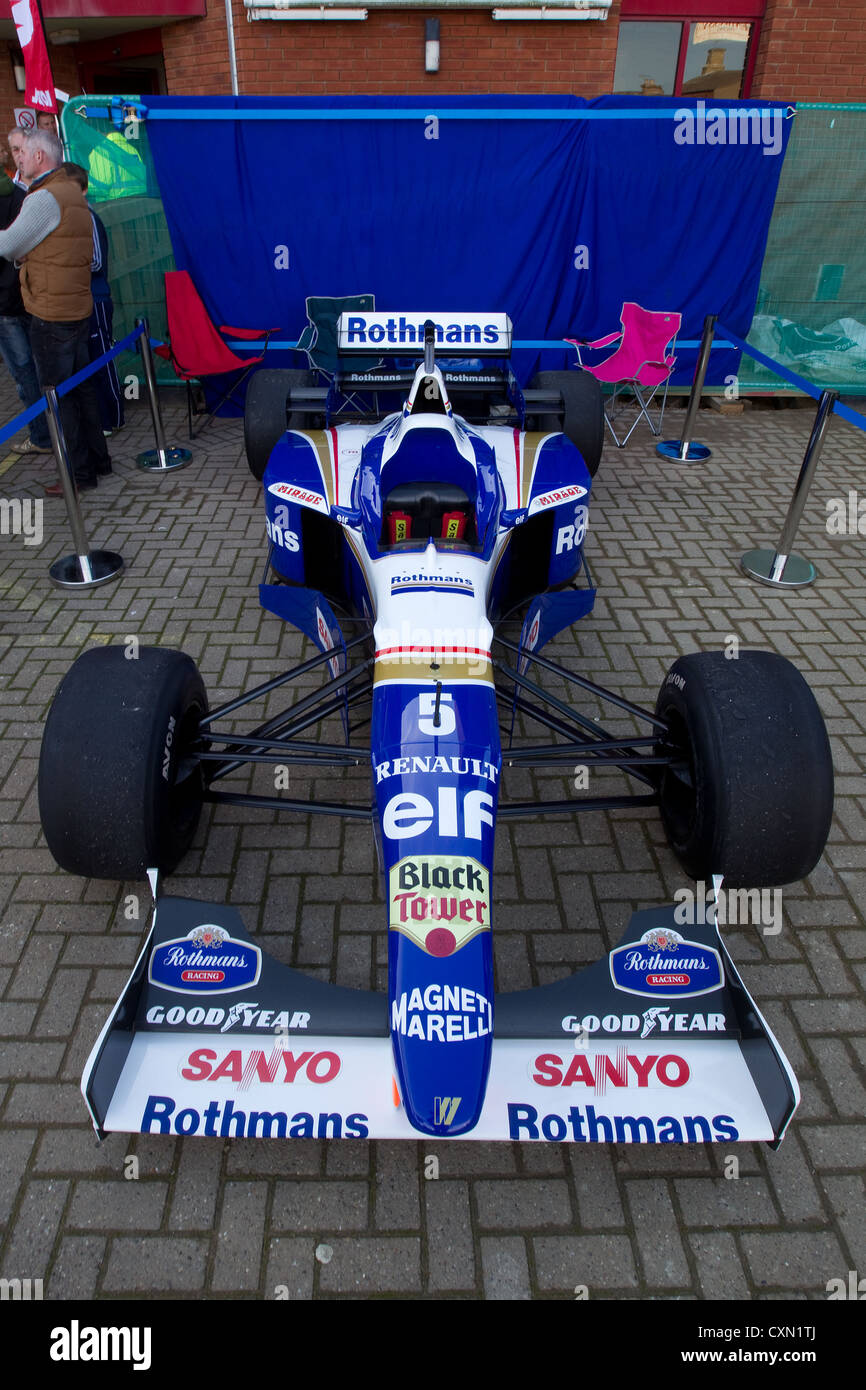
[(63, 68), (385, 54), (812, 50), (196, 52), (10, 97)]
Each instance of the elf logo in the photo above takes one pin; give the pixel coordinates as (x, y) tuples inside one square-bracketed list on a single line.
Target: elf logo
[(445, 1109), (409, 814)]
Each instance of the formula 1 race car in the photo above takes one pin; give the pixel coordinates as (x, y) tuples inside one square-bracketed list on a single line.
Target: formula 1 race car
[(403, 543)]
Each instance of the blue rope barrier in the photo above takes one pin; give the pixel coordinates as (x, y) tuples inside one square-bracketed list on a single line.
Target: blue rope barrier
[(536, 344), (807, 387), (852, 416), (23, 419), (25, 416), (799, 381), (454, 113), (18, 421), (99, 362)]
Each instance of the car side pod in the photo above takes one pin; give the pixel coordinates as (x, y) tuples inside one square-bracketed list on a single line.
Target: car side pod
[(657, 1042)]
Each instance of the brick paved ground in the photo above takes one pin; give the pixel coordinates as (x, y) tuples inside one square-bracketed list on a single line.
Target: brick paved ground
[(238, 1219)]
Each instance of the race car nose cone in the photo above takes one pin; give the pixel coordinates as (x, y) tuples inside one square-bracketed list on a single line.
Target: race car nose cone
[(442, 1028)]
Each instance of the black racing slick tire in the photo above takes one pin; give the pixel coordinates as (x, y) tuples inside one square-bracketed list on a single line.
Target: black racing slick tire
[(119, 790), (751, 795), (268, 414), (583, 412)]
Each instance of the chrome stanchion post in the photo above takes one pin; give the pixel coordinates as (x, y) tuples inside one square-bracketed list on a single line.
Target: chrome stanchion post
[(164, 457), (683, 450), (779, 567), (86, 568)]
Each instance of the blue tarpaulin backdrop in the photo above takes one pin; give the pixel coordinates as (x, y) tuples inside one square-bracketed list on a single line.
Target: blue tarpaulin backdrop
[(554, 221)]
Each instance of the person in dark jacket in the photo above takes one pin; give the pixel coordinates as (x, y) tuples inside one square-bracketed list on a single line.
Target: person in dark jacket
[(15, 329), (101, 324), (52, 241)]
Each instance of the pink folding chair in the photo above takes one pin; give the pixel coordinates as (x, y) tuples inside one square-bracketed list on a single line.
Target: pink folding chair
[(640, 365)]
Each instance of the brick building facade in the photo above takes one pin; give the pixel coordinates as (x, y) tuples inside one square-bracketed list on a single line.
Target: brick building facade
[(807, 50)]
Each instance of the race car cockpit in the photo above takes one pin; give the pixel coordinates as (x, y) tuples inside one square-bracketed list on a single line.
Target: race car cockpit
[(427, 476), (425, 511)]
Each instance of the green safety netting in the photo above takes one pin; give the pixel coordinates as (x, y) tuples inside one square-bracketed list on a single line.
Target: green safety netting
[(811, 307), (124, 192)]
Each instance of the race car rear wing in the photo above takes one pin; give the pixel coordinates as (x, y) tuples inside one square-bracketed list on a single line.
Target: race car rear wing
[(402, 334)]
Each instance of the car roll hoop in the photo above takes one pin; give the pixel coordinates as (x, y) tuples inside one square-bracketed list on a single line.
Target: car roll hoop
[(429, 345)]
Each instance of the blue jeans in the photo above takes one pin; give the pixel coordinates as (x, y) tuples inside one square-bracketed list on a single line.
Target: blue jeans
[(15, 351)]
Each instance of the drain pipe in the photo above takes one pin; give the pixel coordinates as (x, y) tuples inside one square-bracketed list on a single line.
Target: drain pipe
[(233, 62)]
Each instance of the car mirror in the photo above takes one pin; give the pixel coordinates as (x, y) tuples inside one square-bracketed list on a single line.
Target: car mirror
[(514, 516), (346, 516)]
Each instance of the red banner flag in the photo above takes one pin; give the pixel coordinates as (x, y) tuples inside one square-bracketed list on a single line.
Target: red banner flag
[(39, 91)]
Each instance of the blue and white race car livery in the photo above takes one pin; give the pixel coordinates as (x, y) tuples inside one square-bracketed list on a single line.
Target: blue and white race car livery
[(402, 544)]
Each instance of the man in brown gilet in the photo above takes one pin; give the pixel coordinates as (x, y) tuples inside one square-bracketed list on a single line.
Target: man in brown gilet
[(52, 241)]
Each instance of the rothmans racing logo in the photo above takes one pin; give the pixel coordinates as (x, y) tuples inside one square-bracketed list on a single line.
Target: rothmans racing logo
[(205, 961), (665, 963)]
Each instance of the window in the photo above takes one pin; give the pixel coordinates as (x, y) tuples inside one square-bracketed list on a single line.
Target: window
[(686, 48), (716, 60), (646, 58)]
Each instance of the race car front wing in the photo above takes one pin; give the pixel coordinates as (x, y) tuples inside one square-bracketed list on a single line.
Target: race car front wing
[(659, 1041)]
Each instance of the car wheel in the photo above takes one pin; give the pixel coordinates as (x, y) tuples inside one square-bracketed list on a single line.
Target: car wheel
[(583, 412), (751, 795), (268, 414), (119, 790)]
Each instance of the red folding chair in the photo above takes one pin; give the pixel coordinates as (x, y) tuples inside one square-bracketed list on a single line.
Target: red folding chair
[(195, 348)]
